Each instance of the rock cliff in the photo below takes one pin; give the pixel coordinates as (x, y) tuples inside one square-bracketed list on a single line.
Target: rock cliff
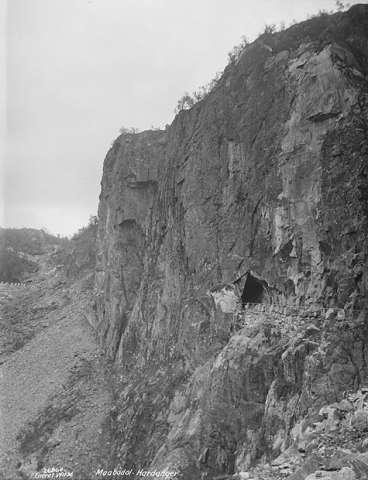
[(259, 191)]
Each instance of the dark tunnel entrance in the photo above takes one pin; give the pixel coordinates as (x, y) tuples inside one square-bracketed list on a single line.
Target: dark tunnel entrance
[(254, 290)]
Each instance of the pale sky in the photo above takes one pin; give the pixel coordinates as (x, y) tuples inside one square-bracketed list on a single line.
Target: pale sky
[(78, 70)]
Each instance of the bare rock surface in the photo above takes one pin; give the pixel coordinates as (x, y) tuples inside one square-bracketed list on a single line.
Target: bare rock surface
[(257, 194)]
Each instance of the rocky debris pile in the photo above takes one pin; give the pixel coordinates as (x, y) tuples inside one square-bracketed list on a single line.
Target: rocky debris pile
[(55, 387), (343, 423), (332, 447)]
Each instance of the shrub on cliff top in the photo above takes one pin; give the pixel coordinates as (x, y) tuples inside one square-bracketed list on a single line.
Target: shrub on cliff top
[(188, 100), (128, 130)]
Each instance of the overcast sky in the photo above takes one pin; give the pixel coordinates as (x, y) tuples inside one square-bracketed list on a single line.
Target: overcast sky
[(78, 70)]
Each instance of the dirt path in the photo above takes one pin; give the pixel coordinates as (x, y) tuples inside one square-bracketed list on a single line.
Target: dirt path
[(55, 395)]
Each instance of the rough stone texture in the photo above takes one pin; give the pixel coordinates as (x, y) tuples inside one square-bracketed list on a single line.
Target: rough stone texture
[(55, 393), (268, 173)]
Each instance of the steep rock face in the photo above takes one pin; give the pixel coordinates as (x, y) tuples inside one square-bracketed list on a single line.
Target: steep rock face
[(268, 173), (129, 190)]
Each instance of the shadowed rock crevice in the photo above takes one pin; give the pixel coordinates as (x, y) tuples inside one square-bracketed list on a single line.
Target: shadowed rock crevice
[(254, 291)]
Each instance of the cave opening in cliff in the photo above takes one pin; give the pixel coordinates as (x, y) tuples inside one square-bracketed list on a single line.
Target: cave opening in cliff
[(254, 290)]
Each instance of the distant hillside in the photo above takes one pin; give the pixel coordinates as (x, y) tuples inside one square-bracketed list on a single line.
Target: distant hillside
[(17, 249), (78, 255)]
